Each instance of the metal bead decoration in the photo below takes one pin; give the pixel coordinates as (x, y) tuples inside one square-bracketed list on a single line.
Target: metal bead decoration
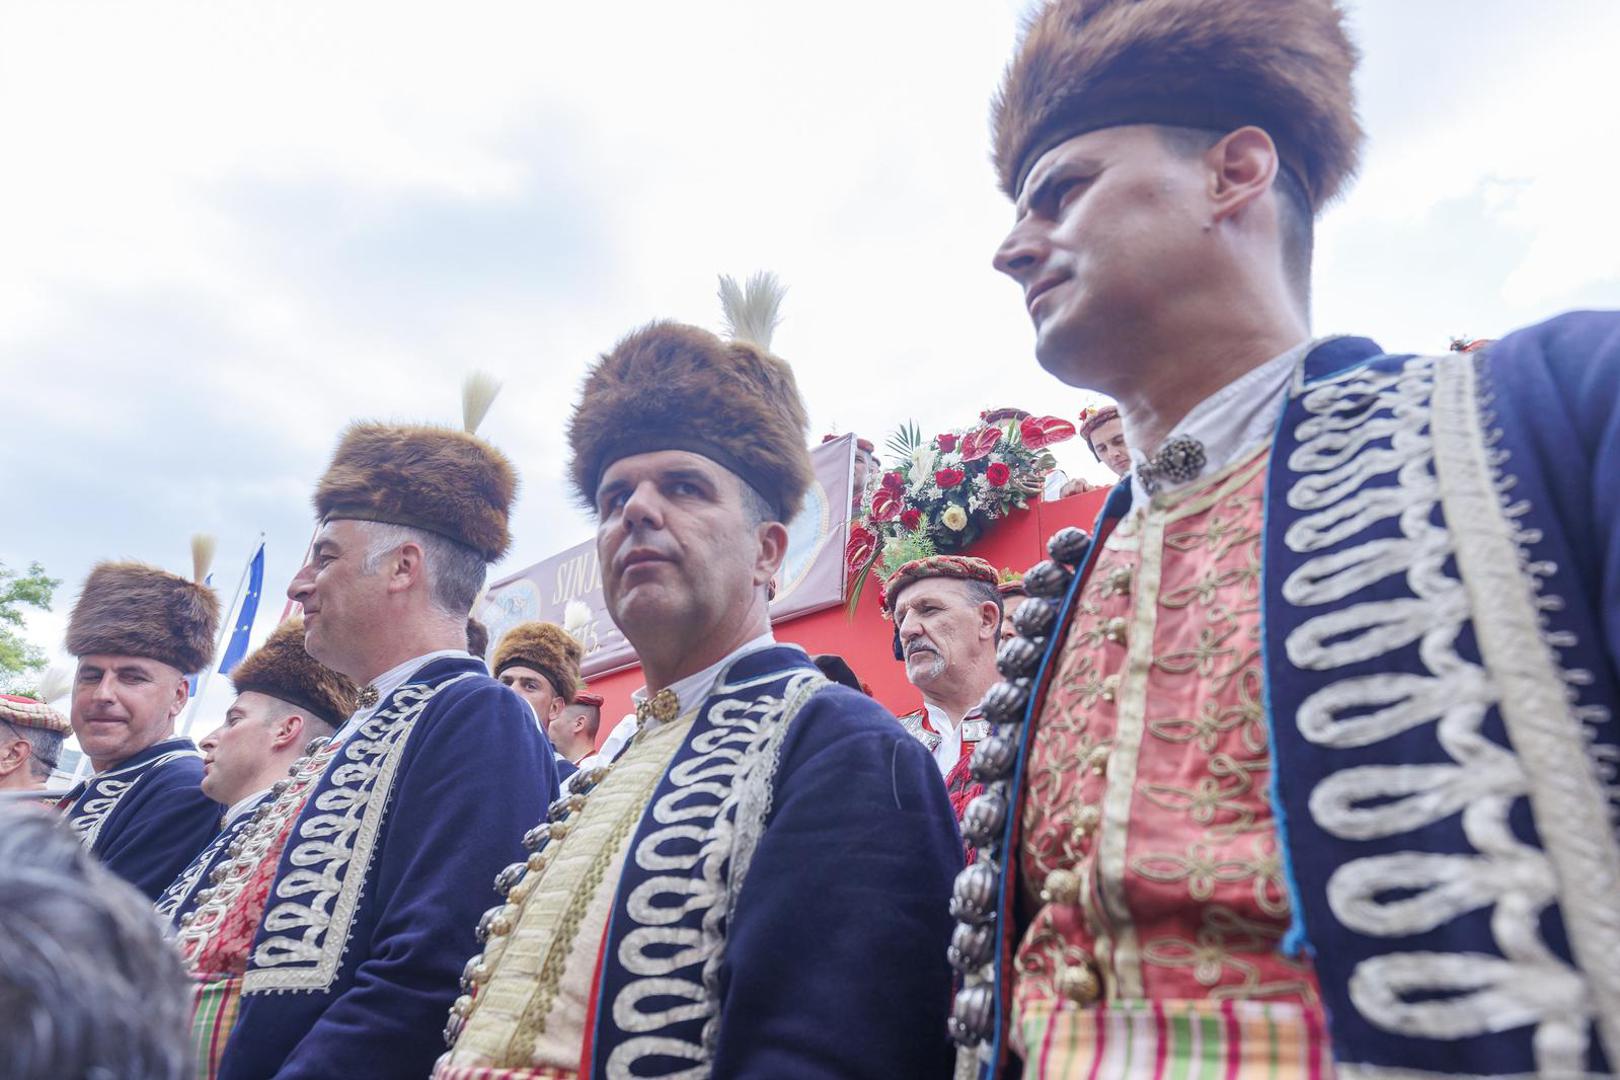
[(1004, 702), (1048, 579), (1034, 618), (1068, 546), (983, 818), (564, 806), (971, 946), (204, 895), (973, 1014), (278, 787), (993, 759), (474, 973), (1018, 657), (452, 1029), (486, 922), (973, 898), (538, 837), (510, 877)]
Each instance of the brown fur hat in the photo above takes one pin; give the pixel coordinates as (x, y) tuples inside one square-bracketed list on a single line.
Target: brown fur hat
[(670, 386), (132, 609), (1281, 65), (545, 647), (443, 481), (280, 668)]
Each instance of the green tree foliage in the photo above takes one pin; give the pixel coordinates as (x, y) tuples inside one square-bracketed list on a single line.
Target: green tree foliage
[(19, 660)]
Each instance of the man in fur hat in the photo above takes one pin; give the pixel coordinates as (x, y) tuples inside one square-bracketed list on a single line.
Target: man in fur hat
[(947, 625), (31, 734), (1305, 761), (347, 912), (753, 887), (284, 699), (540, 662), (137, 631)]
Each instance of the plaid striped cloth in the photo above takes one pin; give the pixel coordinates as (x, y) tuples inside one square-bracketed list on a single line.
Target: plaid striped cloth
[(1177, 1040), (213, 1015), (486, 1072)]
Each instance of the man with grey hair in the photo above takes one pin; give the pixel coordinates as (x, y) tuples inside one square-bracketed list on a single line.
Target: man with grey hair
[(88, 986), (947, 624), (31, 734), (355, 877)]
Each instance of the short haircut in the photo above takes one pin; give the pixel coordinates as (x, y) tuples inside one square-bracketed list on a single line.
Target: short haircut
[(980, 592), (455, 572), (591, 713), (89, 986), (44, 747), (281, 708), (1296, 223)]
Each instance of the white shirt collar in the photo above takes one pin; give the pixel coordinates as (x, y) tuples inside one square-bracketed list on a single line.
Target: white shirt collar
[(1230, 422), (242, 806), (691, 691), (393, 679)]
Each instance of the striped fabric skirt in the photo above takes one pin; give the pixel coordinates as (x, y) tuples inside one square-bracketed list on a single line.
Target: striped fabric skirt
[(214, 1006), (1176, 1040)]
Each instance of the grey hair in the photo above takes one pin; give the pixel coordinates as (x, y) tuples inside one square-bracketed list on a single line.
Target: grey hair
[(982, 592), (455, 572), (44, 748), (89, 987)]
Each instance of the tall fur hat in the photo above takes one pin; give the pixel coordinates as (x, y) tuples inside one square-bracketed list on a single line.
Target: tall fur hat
[(545, 647), (670, 386), (446, 482), (132, 609), (282, 669), (1281, 65)]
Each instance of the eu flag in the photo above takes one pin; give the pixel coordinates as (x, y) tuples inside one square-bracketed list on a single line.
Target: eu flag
[(244, 620)]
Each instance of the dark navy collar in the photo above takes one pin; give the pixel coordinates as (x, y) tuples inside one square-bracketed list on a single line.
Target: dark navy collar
[(150, 754), (1337, 355)]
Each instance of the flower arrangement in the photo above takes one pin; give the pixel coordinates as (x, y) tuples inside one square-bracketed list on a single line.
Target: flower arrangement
[(947, 490)]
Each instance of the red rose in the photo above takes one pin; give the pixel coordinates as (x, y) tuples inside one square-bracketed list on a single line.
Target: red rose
[(949, 478), (910, 519), (885, 504), (998, 474), (947, 443), (862, 545), (976, 444), (893, 481), (1042, 431)]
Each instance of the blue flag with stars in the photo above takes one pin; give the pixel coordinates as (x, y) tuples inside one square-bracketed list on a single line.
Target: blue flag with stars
[(244, 620)]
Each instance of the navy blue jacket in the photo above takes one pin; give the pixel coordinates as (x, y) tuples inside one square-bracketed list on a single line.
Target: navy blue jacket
[(180, 898), (146, 818), (431, 794)]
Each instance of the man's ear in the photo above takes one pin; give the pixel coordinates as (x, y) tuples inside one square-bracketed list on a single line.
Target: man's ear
[(14, 756), (182, 694), (989, 619), (288, 731), (773, 543), (407, 566), (1243, 165)]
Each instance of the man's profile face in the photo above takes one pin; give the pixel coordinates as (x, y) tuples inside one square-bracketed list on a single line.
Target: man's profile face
[(1010, 603), (941, 630), (1103, 231), (534, 688), (123, 704), (342, 603), (677, 549), (235, 753), (1108, 443)]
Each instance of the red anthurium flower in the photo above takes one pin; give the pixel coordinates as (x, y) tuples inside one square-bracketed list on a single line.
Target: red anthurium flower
[(998, 474), (886, 504), (893, 481), (862, 545), (976, 444), (910, 519), (1040, 431), (947, 442), (949, 478)]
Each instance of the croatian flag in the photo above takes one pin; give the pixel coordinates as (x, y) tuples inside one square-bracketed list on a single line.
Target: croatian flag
[(244, 619)]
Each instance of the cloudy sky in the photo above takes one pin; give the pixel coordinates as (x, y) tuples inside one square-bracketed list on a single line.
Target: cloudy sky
[(227, 229)]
